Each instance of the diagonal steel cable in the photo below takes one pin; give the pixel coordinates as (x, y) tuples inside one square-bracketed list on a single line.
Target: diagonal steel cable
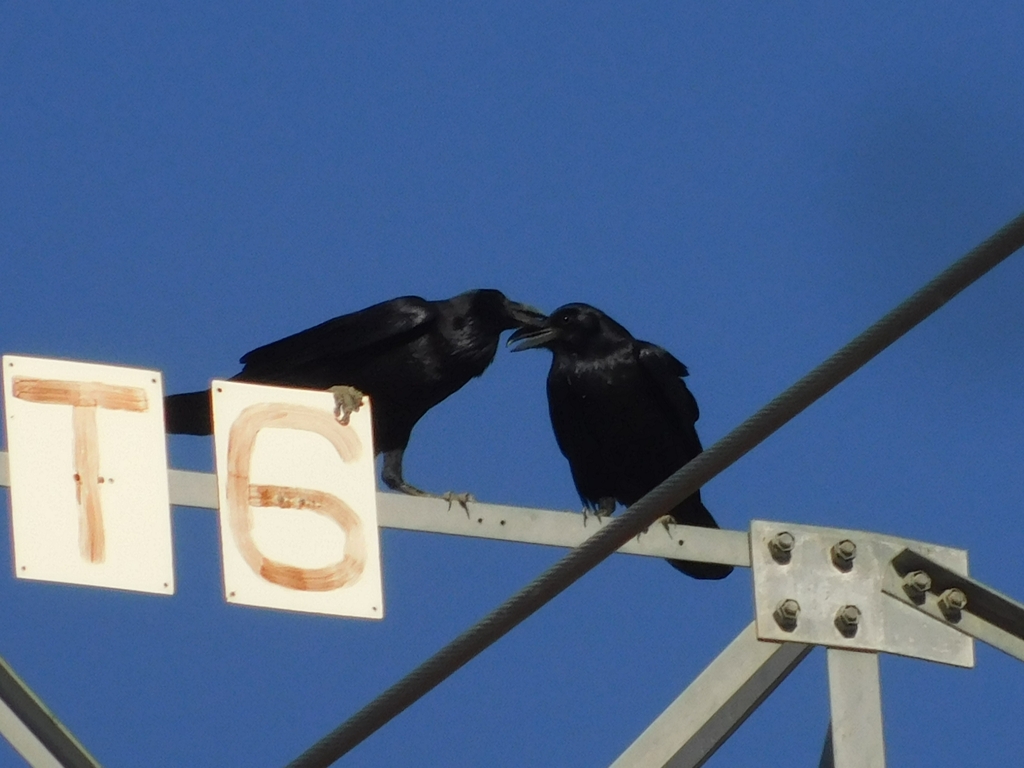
[(659, 501)]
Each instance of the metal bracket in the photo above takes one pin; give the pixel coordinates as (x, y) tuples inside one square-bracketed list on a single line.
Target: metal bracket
[(956, 601), (824, 586)]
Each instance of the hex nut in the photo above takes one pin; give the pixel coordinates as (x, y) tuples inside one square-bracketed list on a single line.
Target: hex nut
[(786, 613), (843, 553), (952, 602), (780, 546), (916, 584), (847, 620)]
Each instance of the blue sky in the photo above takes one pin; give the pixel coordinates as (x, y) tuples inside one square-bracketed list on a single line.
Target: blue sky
[(748, 186)]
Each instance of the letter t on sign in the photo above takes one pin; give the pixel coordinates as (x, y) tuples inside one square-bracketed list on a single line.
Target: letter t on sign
[(88, 474)]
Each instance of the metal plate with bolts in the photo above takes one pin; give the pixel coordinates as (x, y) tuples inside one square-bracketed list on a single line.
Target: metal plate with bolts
[(813, 587), (957, 601)]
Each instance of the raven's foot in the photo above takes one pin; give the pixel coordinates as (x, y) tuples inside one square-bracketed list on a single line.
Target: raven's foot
[(665, 521), (403, 487), (605, 508), (346, 402), (463, 500)]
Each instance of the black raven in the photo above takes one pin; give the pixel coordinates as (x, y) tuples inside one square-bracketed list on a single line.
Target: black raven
[(407, 354), (621, 413)]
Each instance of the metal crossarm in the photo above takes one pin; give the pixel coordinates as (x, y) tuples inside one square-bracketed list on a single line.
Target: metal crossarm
[(499, 522)]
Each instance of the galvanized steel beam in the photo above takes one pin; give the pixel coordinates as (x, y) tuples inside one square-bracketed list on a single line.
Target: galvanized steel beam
[(496, 521), (722, 697), (33, 730), (855, 695)]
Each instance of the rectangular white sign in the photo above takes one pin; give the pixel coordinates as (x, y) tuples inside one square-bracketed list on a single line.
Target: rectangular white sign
[(298, 502), (88, 465)]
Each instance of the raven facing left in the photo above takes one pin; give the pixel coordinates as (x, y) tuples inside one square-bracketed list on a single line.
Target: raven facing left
[(621, 413), (407, 354)]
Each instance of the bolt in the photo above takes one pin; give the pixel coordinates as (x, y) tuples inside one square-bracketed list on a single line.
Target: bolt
[(952, 602), (843, 553), (916, 584), (786, 613), (781, 546), (847, 620)]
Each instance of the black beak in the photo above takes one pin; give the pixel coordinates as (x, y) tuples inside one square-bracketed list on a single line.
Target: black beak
[(524, 315), (536, 334)]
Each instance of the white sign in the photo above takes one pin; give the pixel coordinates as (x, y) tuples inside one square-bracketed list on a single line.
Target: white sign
[(88, 465), (298, 504)]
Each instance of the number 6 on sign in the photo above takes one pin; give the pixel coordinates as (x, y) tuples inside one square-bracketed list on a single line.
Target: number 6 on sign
[(298, 516)]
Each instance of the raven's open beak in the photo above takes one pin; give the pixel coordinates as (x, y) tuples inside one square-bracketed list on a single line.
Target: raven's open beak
[(535, 334), (525, 315)]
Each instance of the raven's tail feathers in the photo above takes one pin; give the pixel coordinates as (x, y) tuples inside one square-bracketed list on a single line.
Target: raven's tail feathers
[(693, 512), (188, 413)]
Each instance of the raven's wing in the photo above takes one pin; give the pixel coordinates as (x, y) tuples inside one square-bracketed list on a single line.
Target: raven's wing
[(361, 332), (666, 372), (575, 440)]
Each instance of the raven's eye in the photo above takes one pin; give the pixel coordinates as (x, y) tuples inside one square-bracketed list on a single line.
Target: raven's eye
[(565, 318)]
